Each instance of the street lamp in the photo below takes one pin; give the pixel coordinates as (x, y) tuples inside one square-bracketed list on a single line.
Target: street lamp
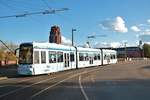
[(73, 35), (95, 36), (125, 43)]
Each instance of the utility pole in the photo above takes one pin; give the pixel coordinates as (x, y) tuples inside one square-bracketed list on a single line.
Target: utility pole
[(73, 36), (125, 43)]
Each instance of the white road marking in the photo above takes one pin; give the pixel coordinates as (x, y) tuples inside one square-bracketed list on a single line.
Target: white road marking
[(8, 93), (82, 89), (51, 86), (38, 93)]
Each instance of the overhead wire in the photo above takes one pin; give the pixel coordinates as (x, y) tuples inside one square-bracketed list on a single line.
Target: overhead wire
[(52, 11)]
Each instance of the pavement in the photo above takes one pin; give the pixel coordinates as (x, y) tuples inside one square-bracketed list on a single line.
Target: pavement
[(122, 81)]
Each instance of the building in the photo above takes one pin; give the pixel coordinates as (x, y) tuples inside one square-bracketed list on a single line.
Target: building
[(130, 52), (55, 35)]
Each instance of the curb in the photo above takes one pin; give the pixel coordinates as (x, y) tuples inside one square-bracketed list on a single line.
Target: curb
[(3, 78)]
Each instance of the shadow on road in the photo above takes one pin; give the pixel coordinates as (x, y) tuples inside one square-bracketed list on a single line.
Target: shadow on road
[(9, 71), (146, 67)]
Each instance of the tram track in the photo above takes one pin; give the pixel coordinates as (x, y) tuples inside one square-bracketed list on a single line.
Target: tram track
[(30, 85), (61, 81), (57, 80), (16, 81)]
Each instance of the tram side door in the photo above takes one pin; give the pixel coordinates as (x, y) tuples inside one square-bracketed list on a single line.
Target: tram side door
[(66, 60), (90, 60)]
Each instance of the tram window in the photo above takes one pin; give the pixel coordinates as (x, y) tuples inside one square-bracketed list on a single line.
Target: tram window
[(86, 57), (59, 56), (36, 57), (111, 56), (43, 57), (71, 56), (81, 57), (98, 57), (105, 57), (95, 56), (114, 56), (52, 57)]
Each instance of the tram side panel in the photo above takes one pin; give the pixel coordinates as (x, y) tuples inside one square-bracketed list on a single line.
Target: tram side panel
[(82, 59), (97, 59), (89, 58), (109, 56), (69, 60), (40, 63)]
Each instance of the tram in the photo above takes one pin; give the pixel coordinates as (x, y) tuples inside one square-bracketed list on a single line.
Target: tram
[(43, 58)]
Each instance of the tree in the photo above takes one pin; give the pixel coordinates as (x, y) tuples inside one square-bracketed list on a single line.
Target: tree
[(6, 54), (146, 48), (2, 55)]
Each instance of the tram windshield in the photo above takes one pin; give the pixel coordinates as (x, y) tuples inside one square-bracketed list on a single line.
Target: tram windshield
[(26, 54)]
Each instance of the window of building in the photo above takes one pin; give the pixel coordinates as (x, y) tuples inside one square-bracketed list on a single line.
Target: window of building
[(36, 57), (59, 56), (52, 57), (43, 57)]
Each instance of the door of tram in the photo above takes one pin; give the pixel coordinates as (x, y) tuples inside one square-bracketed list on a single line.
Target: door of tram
[(91, 58), (66, 59)]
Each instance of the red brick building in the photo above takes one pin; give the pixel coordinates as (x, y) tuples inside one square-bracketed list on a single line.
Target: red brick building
[(130, 52), (55, 35)]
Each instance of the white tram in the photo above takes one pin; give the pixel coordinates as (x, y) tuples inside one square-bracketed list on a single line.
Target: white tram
[(43, 58)]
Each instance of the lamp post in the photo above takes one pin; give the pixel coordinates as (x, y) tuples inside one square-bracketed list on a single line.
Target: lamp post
[(73, 36), (94, 36), (125, 43)]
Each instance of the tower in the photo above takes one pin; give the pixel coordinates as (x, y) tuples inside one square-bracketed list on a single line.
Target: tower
[(55, 35)]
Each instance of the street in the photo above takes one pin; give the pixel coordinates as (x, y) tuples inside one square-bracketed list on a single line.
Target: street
[(122, 81)]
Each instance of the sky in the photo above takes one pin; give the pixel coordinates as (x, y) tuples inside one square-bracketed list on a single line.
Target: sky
[(121, 21)]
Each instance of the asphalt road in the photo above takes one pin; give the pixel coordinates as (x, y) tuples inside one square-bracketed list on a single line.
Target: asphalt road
[(123, 81)]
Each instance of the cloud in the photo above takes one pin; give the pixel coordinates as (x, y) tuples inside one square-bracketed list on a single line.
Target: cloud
[(107, 45), (135, 29), (115, 44), (137, 35), (101, 45), (117, 24), (66, 41), (146, 32), (145, 38), (148, 21)]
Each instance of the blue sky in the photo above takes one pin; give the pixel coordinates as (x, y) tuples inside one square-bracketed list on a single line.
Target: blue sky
[(120, 20)]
